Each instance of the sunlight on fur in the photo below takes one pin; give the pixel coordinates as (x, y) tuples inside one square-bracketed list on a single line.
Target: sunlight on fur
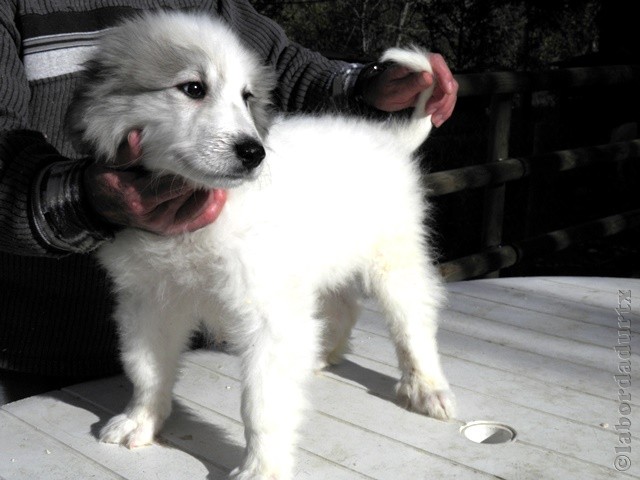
[(320, 210)]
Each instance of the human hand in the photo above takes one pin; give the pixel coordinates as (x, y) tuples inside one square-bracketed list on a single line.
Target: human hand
[(130, 197), (398, 88)]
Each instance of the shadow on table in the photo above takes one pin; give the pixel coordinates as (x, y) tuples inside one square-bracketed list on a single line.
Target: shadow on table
[(184, 430), (377, 384)]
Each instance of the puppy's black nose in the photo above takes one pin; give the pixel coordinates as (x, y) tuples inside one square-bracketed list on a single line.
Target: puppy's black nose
[(251, 153)]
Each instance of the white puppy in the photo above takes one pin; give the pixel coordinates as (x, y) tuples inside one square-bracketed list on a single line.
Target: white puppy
[(336, 203)]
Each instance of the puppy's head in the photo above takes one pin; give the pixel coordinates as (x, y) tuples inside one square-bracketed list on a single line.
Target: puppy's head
[(200, 98)]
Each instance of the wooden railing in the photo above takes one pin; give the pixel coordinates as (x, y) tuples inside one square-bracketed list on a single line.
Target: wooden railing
[(499, 168)]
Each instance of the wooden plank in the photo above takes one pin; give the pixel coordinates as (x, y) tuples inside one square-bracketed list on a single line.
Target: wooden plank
[(359, 449), (524, 455), (328, 433), (514, 82), (28, 454), (530, 365), (595, 291), (593, 284), (205, 442), (212, 431), (370, 408), (601, 291), (532, 354), (540, 322), (581, 353), (538, 422), (540, 295), (74, 423), (503, 357), (547, 397)]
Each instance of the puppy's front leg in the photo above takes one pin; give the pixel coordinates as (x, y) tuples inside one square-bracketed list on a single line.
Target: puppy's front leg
[(278, 358), (151, 342)]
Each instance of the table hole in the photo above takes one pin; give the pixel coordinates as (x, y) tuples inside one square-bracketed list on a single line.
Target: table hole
[(488, 432)]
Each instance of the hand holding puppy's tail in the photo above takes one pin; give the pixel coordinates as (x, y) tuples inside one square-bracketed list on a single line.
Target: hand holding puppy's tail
[(416, 59)]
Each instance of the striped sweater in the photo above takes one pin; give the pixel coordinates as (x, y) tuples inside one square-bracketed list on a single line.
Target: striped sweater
[(55, 302)]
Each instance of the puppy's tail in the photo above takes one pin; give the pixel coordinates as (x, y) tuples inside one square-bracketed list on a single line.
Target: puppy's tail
[(414, 132)]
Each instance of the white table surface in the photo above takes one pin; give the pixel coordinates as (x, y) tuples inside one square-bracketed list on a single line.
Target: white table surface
[(536, 354)]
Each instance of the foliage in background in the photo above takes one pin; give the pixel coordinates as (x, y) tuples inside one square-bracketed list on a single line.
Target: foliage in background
[(474, 35), (489, 35)]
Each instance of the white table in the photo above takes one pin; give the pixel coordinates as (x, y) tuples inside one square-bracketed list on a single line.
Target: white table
[(536, 354)]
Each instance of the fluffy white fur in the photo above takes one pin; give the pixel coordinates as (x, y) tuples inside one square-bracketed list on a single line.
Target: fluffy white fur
[(336, 208)]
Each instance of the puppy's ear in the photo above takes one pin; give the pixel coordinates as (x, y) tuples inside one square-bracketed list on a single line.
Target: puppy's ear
[(94, 120), (262, 108)]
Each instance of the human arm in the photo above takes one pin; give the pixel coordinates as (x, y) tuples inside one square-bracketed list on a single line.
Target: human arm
[(36, 182), (51, 205)]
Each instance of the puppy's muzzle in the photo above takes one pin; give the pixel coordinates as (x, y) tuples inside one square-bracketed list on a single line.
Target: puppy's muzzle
[(250, 152)]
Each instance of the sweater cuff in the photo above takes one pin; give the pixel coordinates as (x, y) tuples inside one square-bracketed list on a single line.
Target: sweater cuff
[(61, 213), (345, 81), (367, 74)]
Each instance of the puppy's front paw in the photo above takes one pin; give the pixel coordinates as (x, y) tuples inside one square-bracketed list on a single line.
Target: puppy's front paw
[(420, 395), (128, 431)]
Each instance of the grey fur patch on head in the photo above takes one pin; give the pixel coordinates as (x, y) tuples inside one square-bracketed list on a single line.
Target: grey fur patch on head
[(132, 83)]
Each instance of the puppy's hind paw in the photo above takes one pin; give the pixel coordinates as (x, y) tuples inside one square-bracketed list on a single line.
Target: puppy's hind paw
[(128, 432), (238, 474), (417, 396)]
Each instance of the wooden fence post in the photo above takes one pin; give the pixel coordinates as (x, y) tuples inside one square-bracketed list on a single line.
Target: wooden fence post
[(499, 131)]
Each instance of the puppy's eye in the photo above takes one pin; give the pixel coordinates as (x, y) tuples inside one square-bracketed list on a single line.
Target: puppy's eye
[(246, 95), (195, 90)]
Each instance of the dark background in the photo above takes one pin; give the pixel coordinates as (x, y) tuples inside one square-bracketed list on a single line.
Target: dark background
[(499, 35)]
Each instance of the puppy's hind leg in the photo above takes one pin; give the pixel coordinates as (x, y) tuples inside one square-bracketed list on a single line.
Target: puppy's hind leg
[(410, 293), (151, 341), (339, 310)]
